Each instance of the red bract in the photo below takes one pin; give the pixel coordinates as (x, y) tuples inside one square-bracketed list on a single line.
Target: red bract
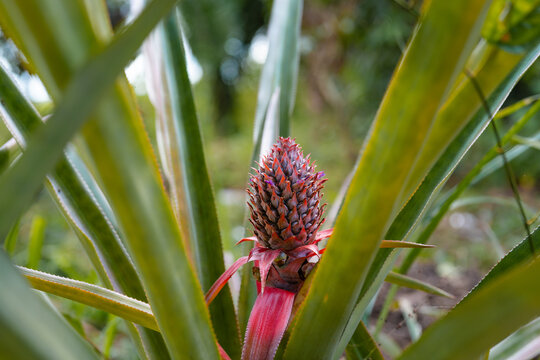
[(267, 323)]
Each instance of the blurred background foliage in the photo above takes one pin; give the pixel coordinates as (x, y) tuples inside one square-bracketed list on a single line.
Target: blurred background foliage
[(349, 50)]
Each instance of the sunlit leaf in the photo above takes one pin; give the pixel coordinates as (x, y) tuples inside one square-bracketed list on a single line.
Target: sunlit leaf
[(513, 24), (35, 243), (93, 295)]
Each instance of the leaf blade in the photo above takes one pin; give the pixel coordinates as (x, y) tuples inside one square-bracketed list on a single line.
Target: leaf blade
[(197, 189), (494, 311), (362, 346), (82, 203), (373, 174), (100, 298), (123, 156), (412, 283), (30, 329)]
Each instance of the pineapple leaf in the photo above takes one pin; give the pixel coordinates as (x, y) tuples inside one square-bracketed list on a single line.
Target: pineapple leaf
[(493, 311), (280, 70), (393, 244), (82, 202), (520, 254), (362, 346), (92, 295), (30, 329), (83, 92), (379, 181), (412, 212), (520, 341), (442, 207), (515, 107), (455, 151), (119, 148), (412, 283), (192, 186), (481, 169)]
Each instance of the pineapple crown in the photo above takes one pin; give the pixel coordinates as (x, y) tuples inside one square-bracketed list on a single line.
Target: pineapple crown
[(284, 198)]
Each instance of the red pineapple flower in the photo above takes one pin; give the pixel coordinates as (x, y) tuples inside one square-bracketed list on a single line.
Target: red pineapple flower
[(284, 198), (285, 194)]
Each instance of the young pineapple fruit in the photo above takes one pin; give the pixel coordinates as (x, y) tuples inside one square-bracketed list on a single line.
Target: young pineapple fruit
[(286, 213)]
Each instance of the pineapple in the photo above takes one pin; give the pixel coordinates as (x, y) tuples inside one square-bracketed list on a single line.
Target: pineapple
[(284, 198), (284, 202)]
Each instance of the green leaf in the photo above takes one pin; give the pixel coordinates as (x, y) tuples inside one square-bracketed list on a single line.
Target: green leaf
[(436, 178), (498, 75), (362, 346), (11, 239), (497, 162), (92, 295), (280, 70), (184, 134), (83, 205), (520, 254), (483, 319), (122, 154), (408, 217), (464, 118), (518, 342), (379, 181), (81, 95), (452, 195), (411, 283), (513, 24), (532, 143), (30, 329), (109, 335), (8, 152), (444, 204), (35, 243), (384, 260), (518, 105)]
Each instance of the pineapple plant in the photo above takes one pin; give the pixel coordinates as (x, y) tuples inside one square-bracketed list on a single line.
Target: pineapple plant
[(168, 241)]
